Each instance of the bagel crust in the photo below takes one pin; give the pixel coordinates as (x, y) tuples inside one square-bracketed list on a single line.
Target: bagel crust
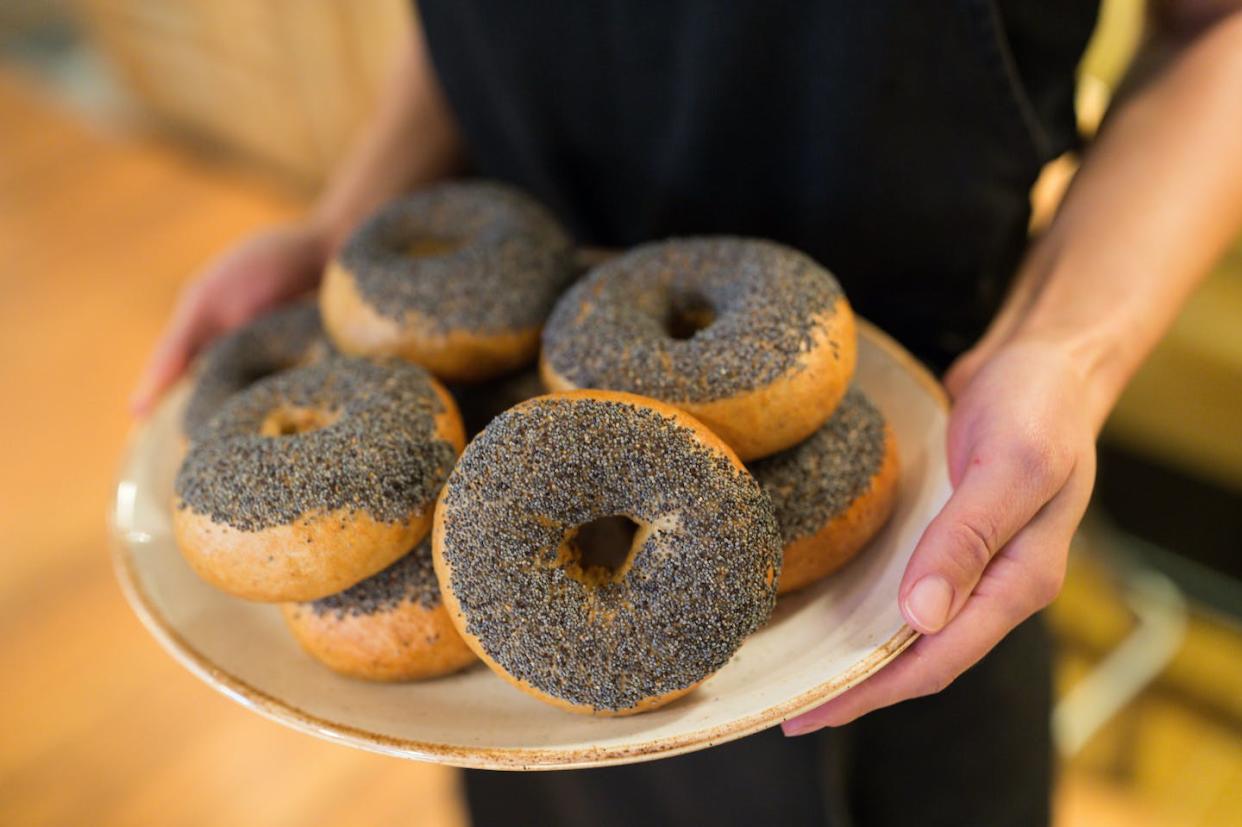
[(458, 278), (700, 575), (316, 555), (750, 337), (454, 355), (315, 478), (390, 627), (833, 491)]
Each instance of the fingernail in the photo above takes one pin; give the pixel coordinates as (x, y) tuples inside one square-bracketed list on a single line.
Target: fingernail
[(928, 603), (797, 726)]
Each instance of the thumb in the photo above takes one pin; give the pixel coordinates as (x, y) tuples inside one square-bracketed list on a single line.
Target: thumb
[(1002, 489), (963, 369)]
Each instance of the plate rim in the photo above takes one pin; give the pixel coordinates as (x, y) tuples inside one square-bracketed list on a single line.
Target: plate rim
[(501, 758)]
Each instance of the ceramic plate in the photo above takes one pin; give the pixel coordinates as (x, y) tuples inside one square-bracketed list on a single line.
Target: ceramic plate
[(818, 643)]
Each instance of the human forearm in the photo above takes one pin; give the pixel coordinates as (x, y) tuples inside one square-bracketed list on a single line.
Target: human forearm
[(1156, 202), (1158, 199), (410, 140)]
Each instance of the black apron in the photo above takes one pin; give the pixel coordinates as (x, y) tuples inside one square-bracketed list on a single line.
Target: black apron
[(896, 142)]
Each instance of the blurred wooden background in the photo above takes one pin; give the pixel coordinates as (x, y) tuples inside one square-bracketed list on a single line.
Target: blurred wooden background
[(282, 81), (99, 725)]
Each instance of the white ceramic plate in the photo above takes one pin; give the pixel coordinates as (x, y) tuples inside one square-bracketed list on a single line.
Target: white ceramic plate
[(819, 642)]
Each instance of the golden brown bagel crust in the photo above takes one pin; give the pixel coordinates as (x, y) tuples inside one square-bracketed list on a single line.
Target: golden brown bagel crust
[(458, 356), (313, 557), (408, 642), (444, 569), (449, 426), (785, 411), (809, 559), (316, 555)]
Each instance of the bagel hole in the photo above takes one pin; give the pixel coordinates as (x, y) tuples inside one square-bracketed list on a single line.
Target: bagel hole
[(293, 421), (600, 551), (431, 246), (687, 315)]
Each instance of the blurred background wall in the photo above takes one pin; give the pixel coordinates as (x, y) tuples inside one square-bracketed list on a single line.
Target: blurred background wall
[(139, 136), (281, 81)]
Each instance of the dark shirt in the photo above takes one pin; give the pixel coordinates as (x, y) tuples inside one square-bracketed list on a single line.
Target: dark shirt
[(896, 142)]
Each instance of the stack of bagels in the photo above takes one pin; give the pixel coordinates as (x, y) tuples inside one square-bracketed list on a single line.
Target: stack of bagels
[(657, 449)]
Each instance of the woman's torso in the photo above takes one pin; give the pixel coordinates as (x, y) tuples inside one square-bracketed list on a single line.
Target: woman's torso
[(896, 142)]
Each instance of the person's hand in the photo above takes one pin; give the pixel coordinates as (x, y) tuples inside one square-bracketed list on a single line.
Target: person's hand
[(258, 273), (1021, 451)]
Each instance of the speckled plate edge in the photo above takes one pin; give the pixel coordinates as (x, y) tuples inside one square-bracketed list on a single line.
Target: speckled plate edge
[(512, 758)]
